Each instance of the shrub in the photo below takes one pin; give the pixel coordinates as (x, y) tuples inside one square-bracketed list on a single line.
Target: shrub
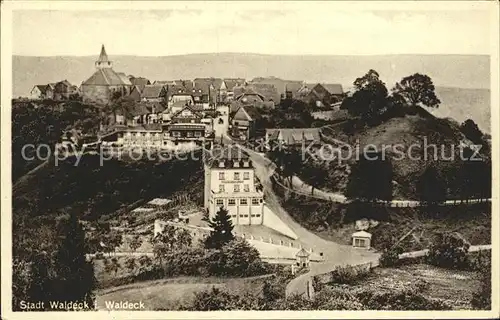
[(349, 274), (481, 262), (390, 257), (406, 299), (449, 251)]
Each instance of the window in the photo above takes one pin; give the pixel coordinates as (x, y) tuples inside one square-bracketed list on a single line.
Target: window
[(255, 201), (245, 216), (176, 134), (246, 164), (221, 176), (359, 242), (236, 164), (221, 164), (243, 202), (197, 134), (236, 188), (220, 202), (221, 188), (236, 176), (246, 175), (231, 202), (189, 134), (246, 188)]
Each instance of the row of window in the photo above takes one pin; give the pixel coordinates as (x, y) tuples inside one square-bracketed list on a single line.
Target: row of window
[(236, 175), (189, 134), (243, 202), (236, 188), (246, 216), (236, 164)]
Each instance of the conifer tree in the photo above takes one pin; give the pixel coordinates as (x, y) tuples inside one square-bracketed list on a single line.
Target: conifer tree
[(75, 275), (222, 232)]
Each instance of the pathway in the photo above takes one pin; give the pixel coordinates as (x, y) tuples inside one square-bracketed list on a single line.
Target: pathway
[(334, 254)]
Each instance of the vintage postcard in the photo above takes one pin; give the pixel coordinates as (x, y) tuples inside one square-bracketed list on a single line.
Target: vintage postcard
[(250, 159)]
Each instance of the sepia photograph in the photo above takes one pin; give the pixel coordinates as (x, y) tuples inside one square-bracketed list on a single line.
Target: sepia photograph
[(166, 159)]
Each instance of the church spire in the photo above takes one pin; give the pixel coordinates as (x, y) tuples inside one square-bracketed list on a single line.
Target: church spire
[(103, 61)]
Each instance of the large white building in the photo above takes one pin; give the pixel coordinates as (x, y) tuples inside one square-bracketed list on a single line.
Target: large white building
[(230, 182)]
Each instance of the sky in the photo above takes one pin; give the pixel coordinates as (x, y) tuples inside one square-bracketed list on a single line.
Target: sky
[(215, 27)]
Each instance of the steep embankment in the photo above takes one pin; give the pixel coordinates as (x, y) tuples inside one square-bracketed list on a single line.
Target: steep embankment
[(411, 142)]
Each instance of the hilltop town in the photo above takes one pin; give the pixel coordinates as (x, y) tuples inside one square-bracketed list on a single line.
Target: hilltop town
[(248, 203)]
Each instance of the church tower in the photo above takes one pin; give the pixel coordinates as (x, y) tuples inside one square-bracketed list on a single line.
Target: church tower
[(103, 61)]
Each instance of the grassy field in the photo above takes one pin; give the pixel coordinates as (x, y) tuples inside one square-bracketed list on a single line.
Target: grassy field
[(454, 287), (168, 294)]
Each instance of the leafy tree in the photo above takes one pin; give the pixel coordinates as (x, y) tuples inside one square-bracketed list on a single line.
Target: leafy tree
[(114, 266), (222, 230), (236, 258), (449, 250), (123, 105), (369, 99), (144, 263), (472, 132), (431, 188), (370, 179), (130, 264), (135, 243), (417, 90), (75, 276), (292, 163)]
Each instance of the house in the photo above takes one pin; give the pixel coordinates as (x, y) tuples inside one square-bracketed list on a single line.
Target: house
[(146, 135), (230, 183), (38, 92), (139, 82), (244, 122), (302, 258), (101, 86), (153, 93), (361, 239), (321, 94), (188, 114), (247, 96), (293, 137), (227, 88), (62, 90), (177, 101), (281, 85), (184, 134)]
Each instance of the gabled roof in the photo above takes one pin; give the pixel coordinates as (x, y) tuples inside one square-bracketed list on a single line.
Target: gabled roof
[(295, 135), (279, 84), (249, 113), (51, 86), (228, 152), (240, 91), (41, 87), (64, 82), (152, 91), (192, 108), (233, 82), (302, 253), (141, 82), (104, 77), (334, 88)]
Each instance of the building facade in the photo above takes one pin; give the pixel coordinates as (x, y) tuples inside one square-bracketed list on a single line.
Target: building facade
[(230, 183)]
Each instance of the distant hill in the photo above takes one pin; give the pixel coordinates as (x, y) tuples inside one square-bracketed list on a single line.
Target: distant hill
[(460, 71)]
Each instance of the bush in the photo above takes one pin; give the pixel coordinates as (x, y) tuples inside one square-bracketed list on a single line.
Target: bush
[(390, 257), (481, 261), (349, 274), (406, 299), (449, 251)]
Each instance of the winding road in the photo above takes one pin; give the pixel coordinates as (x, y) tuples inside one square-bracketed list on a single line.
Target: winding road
[(334, 254)]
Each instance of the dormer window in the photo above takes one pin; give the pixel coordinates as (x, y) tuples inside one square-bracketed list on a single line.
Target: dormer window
[(221, 164), (236, 164), (246, 164)]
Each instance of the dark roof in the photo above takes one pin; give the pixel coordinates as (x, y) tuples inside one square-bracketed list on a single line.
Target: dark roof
[(140, 82), (268, 91), (251, 111), (41, 87), (194, 109), (103, 56), (279, 84), (124, 78), (302, 253), (334, 88), (241, 91), (152, 91), (233, 82), (104, 77)]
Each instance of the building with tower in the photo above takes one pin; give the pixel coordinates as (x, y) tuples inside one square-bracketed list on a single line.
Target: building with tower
[(99, 88)]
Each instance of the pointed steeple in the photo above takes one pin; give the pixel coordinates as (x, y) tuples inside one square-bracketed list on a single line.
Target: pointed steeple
[(103, 61), (103, 57)]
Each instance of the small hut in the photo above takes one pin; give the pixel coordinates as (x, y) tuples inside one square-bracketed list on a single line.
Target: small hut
[(361, 239), (302, 258)]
